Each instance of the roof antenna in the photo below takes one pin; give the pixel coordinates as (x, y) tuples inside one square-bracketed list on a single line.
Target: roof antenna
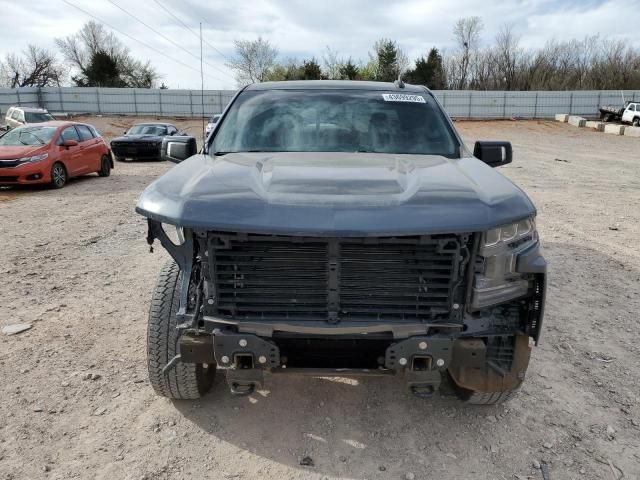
[(204, 135), (399, 82)]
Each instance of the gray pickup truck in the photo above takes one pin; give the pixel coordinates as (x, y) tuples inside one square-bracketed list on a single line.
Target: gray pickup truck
[(342, 228)]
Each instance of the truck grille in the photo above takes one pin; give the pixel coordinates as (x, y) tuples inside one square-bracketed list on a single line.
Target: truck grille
[(388, 278), (135, 148)]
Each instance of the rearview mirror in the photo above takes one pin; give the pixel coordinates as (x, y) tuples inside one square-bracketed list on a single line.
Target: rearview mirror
[(178, 148), (494, 154)]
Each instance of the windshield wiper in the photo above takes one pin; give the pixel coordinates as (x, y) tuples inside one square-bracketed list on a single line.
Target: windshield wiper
[(221, 153), (33, 135)]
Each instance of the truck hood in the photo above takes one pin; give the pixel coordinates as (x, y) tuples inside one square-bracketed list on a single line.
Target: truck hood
[(327, 194)]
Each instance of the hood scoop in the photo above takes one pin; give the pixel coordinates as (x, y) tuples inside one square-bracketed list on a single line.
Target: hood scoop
[(390, 177)]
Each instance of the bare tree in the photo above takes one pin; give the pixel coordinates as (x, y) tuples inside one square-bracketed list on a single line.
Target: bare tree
[(506, 56), (467, 35), (81, 48), (332, 64), (254, 59), (36, 67)]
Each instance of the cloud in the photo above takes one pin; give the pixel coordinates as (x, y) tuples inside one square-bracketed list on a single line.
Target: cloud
[(303, 29)]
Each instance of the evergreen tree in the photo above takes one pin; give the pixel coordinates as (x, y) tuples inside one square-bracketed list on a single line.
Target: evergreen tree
[(102, 71), (311, 70), (387, 60), (428, 72), (349, 71), (438, 78)]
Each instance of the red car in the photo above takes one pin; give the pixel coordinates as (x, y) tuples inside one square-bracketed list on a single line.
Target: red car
[(52, 152)]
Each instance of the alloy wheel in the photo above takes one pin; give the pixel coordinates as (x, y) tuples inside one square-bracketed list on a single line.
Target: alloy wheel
[(59, 175)]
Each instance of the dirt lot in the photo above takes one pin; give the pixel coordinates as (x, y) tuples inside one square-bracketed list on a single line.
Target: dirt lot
[(75, 263)]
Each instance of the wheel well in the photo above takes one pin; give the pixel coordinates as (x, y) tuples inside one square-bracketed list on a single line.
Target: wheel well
[(63, 166)]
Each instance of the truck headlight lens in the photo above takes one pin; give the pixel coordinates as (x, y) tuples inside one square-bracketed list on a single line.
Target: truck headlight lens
[(496, 279), (508, 233)]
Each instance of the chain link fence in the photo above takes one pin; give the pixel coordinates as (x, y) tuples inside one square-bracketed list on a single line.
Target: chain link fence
[(461, 104)]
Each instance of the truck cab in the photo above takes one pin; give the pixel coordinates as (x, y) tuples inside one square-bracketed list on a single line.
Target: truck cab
[(631, 114)]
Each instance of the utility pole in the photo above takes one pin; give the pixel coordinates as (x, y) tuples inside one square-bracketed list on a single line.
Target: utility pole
[(202, 88)]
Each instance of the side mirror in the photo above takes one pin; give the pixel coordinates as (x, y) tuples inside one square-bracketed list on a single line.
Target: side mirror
[(494, 154), (125, 132), (70, 143), (178, 148)]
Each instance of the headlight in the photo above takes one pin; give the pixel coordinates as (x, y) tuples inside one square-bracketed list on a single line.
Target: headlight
[(35, 158), (175, 233), (496, 279), (509, 234)]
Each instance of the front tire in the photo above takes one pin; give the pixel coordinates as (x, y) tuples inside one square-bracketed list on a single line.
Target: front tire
[(484, 398), (499, 378), (105, 166), (187, 381), (636, 122), (59, 175)]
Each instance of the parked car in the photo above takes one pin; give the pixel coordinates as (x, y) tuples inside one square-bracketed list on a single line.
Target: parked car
[(142, 141), (52, 152), (342, 228), (17, 116), (212, 123), (630, 113)]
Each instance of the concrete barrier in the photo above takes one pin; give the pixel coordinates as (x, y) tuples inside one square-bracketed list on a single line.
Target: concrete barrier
[(632, 131), (577, 121), (562, 117), (614, 129), (599, 126)]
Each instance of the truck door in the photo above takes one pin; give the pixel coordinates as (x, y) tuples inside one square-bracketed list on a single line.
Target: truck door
[(629, 112)]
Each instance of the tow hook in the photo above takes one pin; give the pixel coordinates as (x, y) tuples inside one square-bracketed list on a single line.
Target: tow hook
[(242, 389), (423, 391), (422, 360)]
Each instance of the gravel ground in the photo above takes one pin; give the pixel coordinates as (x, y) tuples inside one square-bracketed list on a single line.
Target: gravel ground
[(76, 402)]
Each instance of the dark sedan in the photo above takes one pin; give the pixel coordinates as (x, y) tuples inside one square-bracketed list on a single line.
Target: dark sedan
[(142, 141)]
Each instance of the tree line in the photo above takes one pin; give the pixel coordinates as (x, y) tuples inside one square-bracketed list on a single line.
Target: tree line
[(98, 58), (593, 63), (95, 55)]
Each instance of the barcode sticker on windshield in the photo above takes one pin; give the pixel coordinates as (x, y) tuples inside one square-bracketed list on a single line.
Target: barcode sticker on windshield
[(402, 97)]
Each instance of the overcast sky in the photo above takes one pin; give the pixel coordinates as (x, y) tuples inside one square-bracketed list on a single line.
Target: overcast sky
[(302, 29)]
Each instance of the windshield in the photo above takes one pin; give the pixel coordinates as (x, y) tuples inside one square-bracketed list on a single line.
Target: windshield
[(32, 117), (335, 121), (27, 136), (147, 130)]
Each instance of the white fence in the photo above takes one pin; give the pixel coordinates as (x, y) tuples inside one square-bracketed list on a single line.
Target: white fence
[(192, 103)]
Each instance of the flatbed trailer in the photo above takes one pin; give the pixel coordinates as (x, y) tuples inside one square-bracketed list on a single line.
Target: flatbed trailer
[(609, 113)]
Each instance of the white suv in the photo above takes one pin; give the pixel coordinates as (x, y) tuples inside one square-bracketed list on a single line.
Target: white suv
[(631, 114), (17, 116)]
